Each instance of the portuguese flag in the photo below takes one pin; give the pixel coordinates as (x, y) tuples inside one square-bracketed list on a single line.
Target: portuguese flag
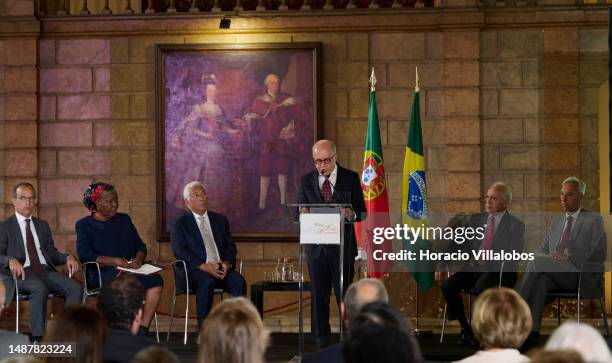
[(414, 194), (374, 186)]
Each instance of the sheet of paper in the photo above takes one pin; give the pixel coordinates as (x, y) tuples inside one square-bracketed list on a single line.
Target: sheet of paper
[(145, 269)]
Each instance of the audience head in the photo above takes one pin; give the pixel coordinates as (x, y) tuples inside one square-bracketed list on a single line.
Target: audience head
[(120, 301), (360, 293), (582, 338), (557, 356), (24, 199), (498, 197), (233, 332), (501, 319), (84, 326), (378, 322), (155, 354), (101, 198), (572, 192), (196, 197)]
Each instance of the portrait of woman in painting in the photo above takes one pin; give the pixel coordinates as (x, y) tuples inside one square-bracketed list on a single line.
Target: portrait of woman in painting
[(208, 132)]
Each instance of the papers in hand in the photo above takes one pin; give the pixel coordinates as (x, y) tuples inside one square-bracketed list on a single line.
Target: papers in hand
[(145, 269)]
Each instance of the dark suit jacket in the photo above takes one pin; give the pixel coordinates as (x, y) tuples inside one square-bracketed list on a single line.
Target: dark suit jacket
[(121, 346), (347, 191), (12, 244), (188, 245), (509, 236)]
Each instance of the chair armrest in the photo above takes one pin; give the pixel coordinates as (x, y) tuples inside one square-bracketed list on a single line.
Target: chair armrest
[(84, 269)]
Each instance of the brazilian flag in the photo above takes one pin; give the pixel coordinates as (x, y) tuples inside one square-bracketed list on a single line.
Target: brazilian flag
[(414, 196)]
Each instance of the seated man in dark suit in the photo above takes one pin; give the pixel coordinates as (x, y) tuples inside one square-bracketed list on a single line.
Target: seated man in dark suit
[(575, 241), (121, 302), (8, 337), (202, 238), (359, 293), (503, 231), (28, 253)]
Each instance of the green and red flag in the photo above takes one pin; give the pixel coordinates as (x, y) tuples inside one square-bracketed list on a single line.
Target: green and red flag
[(374, 186)]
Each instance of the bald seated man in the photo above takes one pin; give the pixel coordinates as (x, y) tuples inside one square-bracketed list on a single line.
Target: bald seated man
[(359, 294)]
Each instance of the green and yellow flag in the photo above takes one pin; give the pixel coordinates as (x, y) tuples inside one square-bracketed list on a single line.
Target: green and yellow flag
[(414, 194)]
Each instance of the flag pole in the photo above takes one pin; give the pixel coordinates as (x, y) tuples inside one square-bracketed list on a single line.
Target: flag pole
[(416, 330)]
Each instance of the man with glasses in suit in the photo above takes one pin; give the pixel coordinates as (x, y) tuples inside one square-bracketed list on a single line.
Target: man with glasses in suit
[(27, 252), (330, 183)]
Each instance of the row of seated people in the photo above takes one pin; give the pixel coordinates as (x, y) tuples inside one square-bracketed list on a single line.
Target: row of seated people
[(377, 332), (28, 257), (203, 240), (571, 256)]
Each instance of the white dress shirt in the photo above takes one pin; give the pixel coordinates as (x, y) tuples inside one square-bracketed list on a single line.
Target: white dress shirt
[(22, 227)]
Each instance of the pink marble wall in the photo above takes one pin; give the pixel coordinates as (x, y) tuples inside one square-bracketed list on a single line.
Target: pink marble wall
[(75, 108)]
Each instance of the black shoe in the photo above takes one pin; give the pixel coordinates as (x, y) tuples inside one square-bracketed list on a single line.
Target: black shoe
[(467, 338), (36, 339), (531, 342)]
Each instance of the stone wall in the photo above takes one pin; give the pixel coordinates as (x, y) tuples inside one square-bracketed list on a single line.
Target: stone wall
[(517, 105)]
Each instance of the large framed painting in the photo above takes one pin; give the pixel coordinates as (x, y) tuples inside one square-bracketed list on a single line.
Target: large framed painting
[(241, 119)]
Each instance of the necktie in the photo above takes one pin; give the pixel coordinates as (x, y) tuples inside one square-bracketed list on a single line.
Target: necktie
[(488, 242), (564, 243), (31, 247), (209, 241), (326, 191)]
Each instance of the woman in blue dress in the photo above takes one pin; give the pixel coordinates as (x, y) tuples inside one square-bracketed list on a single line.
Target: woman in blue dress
[(110, 239)]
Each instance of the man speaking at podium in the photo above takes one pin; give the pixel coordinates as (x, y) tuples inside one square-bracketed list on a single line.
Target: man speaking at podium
[(330, 183)]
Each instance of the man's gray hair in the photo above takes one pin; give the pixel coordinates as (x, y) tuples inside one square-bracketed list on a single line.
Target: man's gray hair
[(353, 302), (505, 189), (187, 189), (581, 185)]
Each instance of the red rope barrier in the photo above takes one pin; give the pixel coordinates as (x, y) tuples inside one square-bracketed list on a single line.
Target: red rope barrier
[(265, 311)]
